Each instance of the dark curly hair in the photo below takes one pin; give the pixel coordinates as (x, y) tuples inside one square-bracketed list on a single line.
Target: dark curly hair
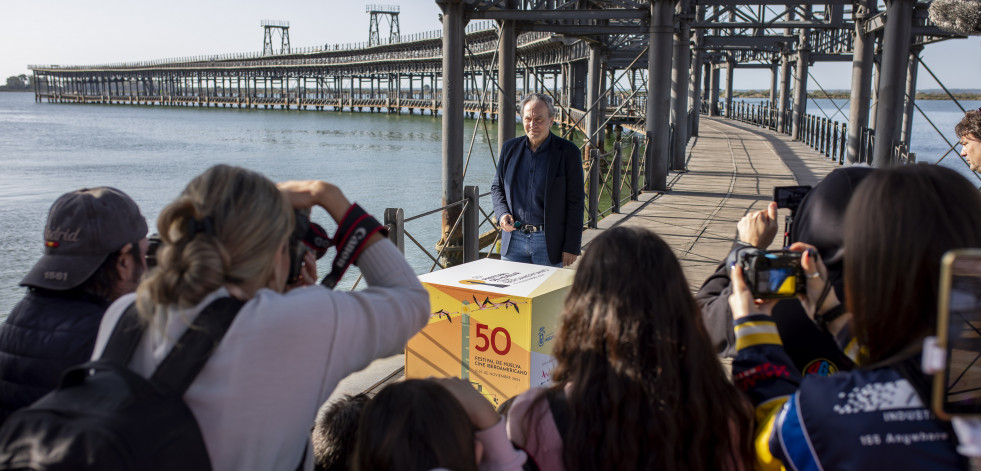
[(970, 125), (644, 386)]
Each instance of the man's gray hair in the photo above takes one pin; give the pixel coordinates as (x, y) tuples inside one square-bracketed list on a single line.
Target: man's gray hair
[(537, 97)]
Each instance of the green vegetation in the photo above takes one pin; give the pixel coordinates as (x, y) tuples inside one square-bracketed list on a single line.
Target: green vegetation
[(17, 83)]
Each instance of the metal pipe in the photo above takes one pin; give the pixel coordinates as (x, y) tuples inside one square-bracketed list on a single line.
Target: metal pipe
[(908, 110), (694, 89), (716, 76), (730, 73), (593, 118), (858, 108), (659, 100), (800, 87), (679, 88), (507, 79), (784, 93), (453, 37), (774, 81), (892, 80)]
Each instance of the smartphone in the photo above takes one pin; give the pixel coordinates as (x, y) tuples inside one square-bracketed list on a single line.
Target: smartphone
[(790, 196), (957, 389)]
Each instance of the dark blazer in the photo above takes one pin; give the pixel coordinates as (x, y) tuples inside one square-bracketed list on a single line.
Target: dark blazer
[(564, 195)]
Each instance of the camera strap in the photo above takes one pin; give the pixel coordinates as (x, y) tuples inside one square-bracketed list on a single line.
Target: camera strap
[(352, 232)]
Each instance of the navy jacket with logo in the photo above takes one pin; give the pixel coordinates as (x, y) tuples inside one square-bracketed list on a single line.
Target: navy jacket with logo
[(855, 420)]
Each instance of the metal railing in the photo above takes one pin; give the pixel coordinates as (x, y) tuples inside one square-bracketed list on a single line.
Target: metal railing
[(468, 222), (824, 135), (611, 181)]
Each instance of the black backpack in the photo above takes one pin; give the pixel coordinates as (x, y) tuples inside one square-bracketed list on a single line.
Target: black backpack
[(104, 416)]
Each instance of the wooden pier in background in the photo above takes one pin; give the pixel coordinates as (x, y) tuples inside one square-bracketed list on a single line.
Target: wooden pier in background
[(732, 169)]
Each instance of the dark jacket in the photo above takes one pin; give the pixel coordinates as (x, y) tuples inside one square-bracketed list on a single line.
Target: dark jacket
[(46, 332), (564, 195), (867, 418), (820, 221)]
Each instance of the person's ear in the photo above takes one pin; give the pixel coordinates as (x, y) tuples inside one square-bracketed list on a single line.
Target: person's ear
[(125, 263)]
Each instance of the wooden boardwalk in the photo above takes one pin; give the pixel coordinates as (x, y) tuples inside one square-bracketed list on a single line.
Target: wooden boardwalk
[(732, 169)]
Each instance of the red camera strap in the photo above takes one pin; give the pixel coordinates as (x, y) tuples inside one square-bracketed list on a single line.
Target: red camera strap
[(353, 231)]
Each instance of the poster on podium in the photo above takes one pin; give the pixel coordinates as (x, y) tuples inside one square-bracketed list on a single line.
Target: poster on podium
[(493, 323)]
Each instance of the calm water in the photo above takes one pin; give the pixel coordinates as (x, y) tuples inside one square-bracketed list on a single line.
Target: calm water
[(151, 153), (379, 160)]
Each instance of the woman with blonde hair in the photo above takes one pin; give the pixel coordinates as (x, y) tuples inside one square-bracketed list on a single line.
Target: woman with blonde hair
[(256, 398)]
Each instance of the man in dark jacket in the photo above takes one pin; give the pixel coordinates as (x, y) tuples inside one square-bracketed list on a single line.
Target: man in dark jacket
[(538, 191), (94, 252)]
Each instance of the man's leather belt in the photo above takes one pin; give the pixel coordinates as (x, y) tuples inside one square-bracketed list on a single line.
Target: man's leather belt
[(528, 228)]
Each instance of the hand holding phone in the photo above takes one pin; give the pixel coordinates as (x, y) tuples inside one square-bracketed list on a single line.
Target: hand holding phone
[(957, 389)]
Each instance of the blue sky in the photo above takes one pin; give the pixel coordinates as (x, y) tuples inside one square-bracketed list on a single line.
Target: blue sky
[(100, 31)]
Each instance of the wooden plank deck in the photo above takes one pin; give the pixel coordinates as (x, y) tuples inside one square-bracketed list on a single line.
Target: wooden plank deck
[(732, 169)]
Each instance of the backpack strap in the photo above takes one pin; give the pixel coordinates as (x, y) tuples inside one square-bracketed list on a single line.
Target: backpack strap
[(124, 338), (189, 355)]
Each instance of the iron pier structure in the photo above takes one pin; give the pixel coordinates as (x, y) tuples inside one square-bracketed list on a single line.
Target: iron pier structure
[(650, 66)]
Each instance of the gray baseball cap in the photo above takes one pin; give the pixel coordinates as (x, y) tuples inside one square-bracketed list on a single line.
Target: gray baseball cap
[(84, 227)]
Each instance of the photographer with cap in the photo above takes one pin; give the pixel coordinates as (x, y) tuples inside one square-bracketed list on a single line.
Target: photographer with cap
[(94, 248)]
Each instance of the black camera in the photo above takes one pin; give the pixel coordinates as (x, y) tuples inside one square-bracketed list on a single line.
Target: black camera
[(773, 274), (790, 196), (307, 236), (151, 250)]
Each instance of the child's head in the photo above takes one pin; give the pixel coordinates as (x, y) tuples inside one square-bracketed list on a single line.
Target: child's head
[(335, 431), (415, 425)]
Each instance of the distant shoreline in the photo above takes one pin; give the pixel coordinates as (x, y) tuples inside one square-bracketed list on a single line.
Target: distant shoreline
[(837, 95)]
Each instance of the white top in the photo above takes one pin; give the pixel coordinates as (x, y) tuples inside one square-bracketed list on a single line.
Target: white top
[(257, 397)]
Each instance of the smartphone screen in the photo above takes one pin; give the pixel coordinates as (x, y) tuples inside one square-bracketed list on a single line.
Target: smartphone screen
[(780, 279), (959, 333)]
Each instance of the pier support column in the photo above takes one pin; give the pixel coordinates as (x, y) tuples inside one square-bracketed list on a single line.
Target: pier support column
[(679, 88), (784, 93), (858, 108), (892, 80), (592, 95), (730, 74), (453, 37), (910, 108), (800, 87), (694, 89), (658, 91), (716, 77), (774, 82), (507, 80)]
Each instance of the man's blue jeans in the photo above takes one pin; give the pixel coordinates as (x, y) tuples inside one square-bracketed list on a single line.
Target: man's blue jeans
[(529, 248)]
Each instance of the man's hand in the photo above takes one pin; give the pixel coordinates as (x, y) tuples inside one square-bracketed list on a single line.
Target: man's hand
[(507, 223), (568, 259), (760, 227)]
